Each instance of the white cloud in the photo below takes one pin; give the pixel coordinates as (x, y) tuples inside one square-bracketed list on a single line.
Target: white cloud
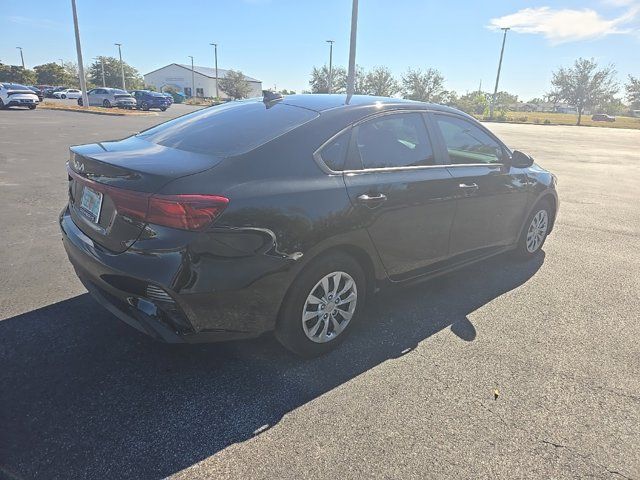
[(567, 25)]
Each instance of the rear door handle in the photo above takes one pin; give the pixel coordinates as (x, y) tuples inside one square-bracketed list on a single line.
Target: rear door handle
[(468, 186), (372, 201)]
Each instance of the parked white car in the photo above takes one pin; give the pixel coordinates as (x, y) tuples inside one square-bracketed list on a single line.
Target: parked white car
[(68, 93), (16, 95), (110, 97)]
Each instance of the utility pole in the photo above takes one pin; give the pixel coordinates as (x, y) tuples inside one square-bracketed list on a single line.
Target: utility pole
[(330, 82), (61, 62), (495, 90), (83, 85), (21, 56), (351, 78), (193, 79), (121, 64), (215, 49)]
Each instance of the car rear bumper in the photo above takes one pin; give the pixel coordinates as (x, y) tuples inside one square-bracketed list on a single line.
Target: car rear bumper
[(20, 102), (214, 311)]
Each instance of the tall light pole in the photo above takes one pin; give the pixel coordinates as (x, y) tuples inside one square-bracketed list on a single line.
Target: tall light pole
[(121, 64), (351, 78), (330, 82), (495, 90), (215, 48), (101, 58), (83, 85), (193, 78), (21, 56)]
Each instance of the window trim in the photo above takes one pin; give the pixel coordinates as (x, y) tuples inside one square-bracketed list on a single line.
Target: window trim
[(317, 154), (476, 123)]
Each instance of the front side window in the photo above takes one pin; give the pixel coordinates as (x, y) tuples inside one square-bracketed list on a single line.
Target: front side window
[(398, 140), (467, 143)]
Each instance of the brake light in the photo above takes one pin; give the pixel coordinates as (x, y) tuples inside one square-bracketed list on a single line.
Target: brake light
[(187, 212)]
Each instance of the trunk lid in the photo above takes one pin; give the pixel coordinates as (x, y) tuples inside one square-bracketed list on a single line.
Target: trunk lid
[(110, 184)]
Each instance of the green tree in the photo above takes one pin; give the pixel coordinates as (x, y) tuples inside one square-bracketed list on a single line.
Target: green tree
[(319, 81), (425, 86), (633, 92), (380, 82), (113, 74), (504, 100), (50, 74), (235, 84), (584, 84), (16, 74), (473, 103)]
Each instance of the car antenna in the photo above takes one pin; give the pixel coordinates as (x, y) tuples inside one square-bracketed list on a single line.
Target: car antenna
[(270, 98)]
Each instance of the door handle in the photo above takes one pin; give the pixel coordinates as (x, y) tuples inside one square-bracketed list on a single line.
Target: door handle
[(468, 186), (372, 201)]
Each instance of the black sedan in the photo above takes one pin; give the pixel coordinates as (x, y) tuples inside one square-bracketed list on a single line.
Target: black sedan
[(285, 214)]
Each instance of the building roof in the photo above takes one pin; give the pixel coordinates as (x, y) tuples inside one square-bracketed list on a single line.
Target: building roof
[(206, 71)]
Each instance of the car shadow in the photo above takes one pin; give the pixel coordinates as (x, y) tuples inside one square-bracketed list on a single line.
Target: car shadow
[(85, 396)]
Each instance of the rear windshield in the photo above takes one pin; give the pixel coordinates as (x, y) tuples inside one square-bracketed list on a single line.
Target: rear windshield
[(230, 129)]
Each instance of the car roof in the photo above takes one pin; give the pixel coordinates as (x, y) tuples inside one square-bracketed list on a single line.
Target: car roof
[(323, 102)]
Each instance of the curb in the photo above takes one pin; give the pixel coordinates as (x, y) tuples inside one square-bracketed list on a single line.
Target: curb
[(114, 114)]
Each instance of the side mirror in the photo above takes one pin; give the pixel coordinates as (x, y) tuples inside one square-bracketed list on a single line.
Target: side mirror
[(521, 160)]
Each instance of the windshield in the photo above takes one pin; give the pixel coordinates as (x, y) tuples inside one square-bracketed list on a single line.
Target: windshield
[(15, 86), (230, 129)]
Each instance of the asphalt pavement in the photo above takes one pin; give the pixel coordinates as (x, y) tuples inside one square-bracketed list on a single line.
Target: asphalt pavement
[(502, 370)]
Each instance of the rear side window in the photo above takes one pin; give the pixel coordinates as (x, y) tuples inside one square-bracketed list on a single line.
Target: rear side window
[(230, 129), (467, 143), (398, 140), (333, 154)]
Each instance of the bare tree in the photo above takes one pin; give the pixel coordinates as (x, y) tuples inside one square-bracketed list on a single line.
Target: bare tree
[(235, 84), (381, 82), (425, 86), (584, 85)]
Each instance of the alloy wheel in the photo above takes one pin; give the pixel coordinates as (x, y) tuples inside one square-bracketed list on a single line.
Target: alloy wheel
[(329, 307), (537, 230)]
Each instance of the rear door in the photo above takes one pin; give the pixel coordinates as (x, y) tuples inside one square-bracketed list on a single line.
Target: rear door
[(399, 192), (491, 196)]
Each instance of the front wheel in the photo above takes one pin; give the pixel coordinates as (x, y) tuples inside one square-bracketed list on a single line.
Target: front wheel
[(163, 109), (535, 231), (32, 107), (106, 104), (145, 106), (322, 305), (2, 107), (63, 96)]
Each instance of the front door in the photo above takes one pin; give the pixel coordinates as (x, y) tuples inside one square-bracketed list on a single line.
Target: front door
[(491, 195), (399, 193)]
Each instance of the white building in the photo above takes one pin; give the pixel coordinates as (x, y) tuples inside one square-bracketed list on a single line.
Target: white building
[(180, 77)]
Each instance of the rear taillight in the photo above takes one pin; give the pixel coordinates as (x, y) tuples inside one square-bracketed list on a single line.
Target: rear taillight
[(187, 212)]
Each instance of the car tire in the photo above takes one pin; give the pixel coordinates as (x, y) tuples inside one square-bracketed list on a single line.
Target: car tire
[(106, 104), (63, 96), (307, 333), (80, 102), (144, 106), (2, 106), (163, 109), (535, 230), (32, 107)]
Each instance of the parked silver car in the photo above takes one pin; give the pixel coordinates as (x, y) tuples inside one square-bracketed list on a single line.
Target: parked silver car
[(110, 97)]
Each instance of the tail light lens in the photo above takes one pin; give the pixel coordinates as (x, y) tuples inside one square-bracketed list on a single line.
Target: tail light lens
[(187, 212)]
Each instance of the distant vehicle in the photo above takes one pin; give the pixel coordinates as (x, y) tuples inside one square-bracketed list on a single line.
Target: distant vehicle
[(16, 95), (147, 100), (603, 117), (37, 91), (49, 91), (110, 97), (68, 93), (169, 97)]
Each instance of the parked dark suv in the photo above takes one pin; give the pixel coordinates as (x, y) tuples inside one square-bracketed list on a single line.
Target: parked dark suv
[(147, 100), (286, 214)]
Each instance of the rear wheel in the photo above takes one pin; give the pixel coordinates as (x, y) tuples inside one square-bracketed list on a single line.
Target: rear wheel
[(535, 231), (2, 107), (322, 305), (80, 101), (163, 109), (63, 96), (145, 106)]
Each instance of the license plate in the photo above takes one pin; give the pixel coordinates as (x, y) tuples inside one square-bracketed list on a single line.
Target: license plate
[(91, 204)]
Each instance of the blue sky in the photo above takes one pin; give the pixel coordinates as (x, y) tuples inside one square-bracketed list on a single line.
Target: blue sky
[(279, 41)]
